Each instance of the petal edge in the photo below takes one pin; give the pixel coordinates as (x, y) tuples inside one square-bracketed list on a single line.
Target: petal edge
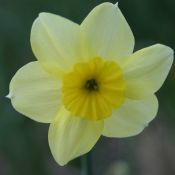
[(35, 93), (146, 70), (70, 137), (107, 32), (132, 118)]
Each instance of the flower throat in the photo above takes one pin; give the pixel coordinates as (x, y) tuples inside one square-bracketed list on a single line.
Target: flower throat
[(91, 85)]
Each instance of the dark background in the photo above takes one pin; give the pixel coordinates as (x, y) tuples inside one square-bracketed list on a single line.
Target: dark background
[(23, 143)]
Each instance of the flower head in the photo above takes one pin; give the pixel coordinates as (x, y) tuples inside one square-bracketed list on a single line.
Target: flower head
[(87, 81)]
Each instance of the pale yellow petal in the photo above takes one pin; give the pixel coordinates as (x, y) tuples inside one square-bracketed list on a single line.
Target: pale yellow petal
[(35, 93), (107, 32), (70, 137), (132, 118), (55, 42), (146, 70)]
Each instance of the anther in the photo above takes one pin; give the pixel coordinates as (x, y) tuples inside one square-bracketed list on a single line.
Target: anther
[(91, 85)]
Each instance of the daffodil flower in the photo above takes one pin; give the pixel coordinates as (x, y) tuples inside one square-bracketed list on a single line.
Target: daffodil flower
[(87, 81)]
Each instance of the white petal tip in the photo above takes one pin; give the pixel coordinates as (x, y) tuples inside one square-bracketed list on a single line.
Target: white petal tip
[(62, 164), (146, 125), (8, 96), (116, 4)]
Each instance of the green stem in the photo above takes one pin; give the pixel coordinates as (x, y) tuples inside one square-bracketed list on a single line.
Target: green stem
[(86, 164)]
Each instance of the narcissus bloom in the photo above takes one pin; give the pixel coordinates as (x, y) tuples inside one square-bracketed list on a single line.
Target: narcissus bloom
[(87, 81)]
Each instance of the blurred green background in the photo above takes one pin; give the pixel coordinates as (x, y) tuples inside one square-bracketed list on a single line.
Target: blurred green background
[(23, 143)]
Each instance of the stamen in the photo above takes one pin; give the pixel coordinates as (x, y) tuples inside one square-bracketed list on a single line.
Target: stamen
[(91, 85)]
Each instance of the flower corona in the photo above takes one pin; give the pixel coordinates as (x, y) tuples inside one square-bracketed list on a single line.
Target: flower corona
[(97, 86)]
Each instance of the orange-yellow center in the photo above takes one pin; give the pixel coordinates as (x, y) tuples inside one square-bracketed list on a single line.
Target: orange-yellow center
[(93, 89)]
